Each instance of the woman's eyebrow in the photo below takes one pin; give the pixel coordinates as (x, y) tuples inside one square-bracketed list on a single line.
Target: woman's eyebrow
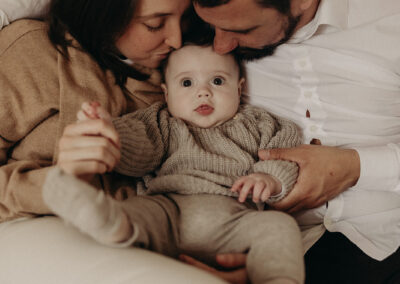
[(154, 15)]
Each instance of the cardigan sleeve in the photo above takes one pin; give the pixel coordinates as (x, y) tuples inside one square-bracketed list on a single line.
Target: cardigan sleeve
[(40, 93), (144, 140), (27, 115), (277, 133)]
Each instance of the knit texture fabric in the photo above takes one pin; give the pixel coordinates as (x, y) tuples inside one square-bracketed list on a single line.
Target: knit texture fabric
[(41, 92), (193, 160)]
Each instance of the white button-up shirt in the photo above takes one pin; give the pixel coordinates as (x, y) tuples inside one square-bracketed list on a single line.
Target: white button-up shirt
[(338, 78)]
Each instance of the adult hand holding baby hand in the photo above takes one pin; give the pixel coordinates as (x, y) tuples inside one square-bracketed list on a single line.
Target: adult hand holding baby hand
[(91, 145), (324, 172)]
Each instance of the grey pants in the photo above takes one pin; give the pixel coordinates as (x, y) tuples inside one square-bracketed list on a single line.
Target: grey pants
[(204, 225)]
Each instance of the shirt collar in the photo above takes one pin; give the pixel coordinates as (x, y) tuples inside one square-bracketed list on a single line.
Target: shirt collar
[(330, 12)]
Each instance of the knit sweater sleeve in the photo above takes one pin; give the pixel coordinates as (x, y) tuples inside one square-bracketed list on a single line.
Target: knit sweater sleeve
[(277, 132), (144, 140)]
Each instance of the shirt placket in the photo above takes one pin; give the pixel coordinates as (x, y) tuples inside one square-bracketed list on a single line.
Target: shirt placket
[(308, 104)]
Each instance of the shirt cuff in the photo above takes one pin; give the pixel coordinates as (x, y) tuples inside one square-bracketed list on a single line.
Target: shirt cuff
[(380, 168)]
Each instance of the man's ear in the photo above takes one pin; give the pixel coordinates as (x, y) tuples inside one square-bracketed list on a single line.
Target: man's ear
[(165, 90), (241, 85)]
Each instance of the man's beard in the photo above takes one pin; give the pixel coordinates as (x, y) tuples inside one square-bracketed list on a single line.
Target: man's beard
[(249, 54)]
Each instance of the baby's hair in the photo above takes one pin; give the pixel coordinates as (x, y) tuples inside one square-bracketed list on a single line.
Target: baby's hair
[(238, 61)]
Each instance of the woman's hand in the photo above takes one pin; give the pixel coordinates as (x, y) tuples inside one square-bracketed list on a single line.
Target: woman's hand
[(89, 146), (324, 173), (236, 261)]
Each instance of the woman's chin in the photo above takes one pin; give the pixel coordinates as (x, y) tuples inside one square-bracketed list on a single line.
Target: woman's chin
[(151, 63)]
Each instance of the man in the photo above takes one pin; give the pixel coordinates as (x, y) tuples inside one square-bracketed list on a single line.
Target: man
[(334, 68)]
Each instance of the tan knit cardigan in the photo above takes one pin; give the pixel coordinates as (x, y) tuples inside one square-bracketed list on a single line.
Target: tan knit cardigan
[(191, 160), (40, 93)]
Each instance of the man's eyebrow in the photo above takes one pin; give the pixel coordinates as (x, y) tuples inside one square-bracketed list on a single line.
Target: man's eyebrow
[(244, 31)]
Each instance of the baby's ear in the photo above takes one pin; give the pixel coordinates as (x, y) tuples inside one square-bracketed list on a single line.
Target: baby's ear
[(241, 85), (165, 90)]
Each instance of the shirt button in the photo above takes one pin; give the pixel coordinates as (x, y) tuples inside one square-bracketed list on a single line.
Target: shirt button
[(328, 222), (315, 141)]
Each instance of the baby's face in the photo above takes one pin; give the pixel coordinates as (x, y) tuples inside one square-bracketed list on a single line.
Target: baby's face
[(202, 87)]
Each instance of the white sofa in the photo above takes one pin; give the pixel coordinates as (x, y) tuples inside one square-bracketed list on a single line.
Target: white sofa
[(11, 10), (46, 251)]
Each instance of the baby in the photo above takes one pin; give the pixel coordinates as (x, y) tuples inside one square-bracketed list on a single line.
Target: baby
[(196, 155)]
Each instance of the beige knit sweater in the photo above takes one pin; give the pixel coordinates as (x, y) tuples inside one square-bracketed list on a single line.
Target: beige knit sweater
[(191, 160), (40, 93)]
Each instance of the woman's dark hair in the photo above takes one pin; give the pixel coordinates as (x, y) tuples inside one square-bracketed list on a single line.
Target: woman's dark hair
[(96, 25), (283, 6)]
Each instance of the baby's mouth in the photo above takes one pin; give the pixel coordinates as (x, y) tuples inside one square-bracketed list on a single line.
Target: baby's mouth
[(204, 109)]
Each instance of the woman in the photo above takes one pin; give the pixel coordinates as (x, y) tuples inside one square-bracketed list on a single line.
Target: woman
[(103, 50), (44, 81)]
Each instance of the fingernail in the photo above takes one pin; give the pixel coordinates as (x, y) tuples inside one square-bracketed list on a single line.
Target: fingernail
[(265, 154), (94, 104)]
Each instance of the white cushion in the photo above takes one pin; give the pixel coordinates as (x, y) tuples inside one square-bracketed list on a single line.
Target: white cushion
[(11, 10), (45, 251)]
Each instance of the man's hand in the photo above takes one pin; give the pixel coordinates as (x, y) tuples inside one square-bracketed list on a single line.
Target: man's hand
[(324, 172), (235, 261)]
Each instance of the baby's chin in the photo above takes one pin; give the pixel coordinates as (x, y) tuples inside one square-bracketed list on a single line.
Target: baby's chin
[(205, 125)]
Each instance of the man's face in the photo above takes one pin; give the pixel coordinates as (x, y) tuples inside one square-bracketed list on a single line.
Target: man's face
[(253, 31)]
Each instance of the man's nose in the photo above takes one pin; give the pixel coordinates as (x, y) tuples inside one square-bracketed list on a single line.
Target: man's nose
[(224, 42)]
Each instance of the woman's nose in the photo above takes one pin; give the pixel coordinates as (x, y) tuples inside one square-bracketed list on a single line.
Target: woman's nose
[(173, 36)]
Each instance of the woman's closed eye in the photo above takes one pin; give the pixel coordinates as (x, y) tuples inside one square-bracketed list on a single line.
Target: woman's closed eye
[(154, 25)]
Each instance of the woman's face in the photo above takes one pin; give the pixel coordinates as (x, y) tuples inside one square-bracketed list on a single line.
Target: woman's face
[(153, 32)]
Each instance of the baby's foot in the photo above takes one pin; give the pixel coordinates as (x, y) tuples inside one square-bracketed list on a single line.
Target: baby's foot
[(86, 208)]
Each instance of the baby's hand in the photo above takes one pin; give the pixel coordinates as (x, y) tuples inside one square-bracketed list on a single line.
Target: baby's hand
[(93, 110), (260, 185)]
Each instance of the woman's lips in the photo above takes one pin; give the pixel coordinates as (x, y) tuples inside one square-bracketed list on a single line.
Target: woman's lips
[(204, 109), (162, 55)]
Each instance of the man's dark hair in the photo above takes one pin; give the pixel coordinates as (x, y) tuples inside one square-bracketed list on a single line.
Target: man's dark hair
[(96, 25), (283, 6)]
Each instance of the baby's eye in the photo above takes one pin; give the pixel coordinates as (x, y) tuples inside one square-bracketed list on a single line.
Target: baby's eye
[(218, 81), (186, 83)]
